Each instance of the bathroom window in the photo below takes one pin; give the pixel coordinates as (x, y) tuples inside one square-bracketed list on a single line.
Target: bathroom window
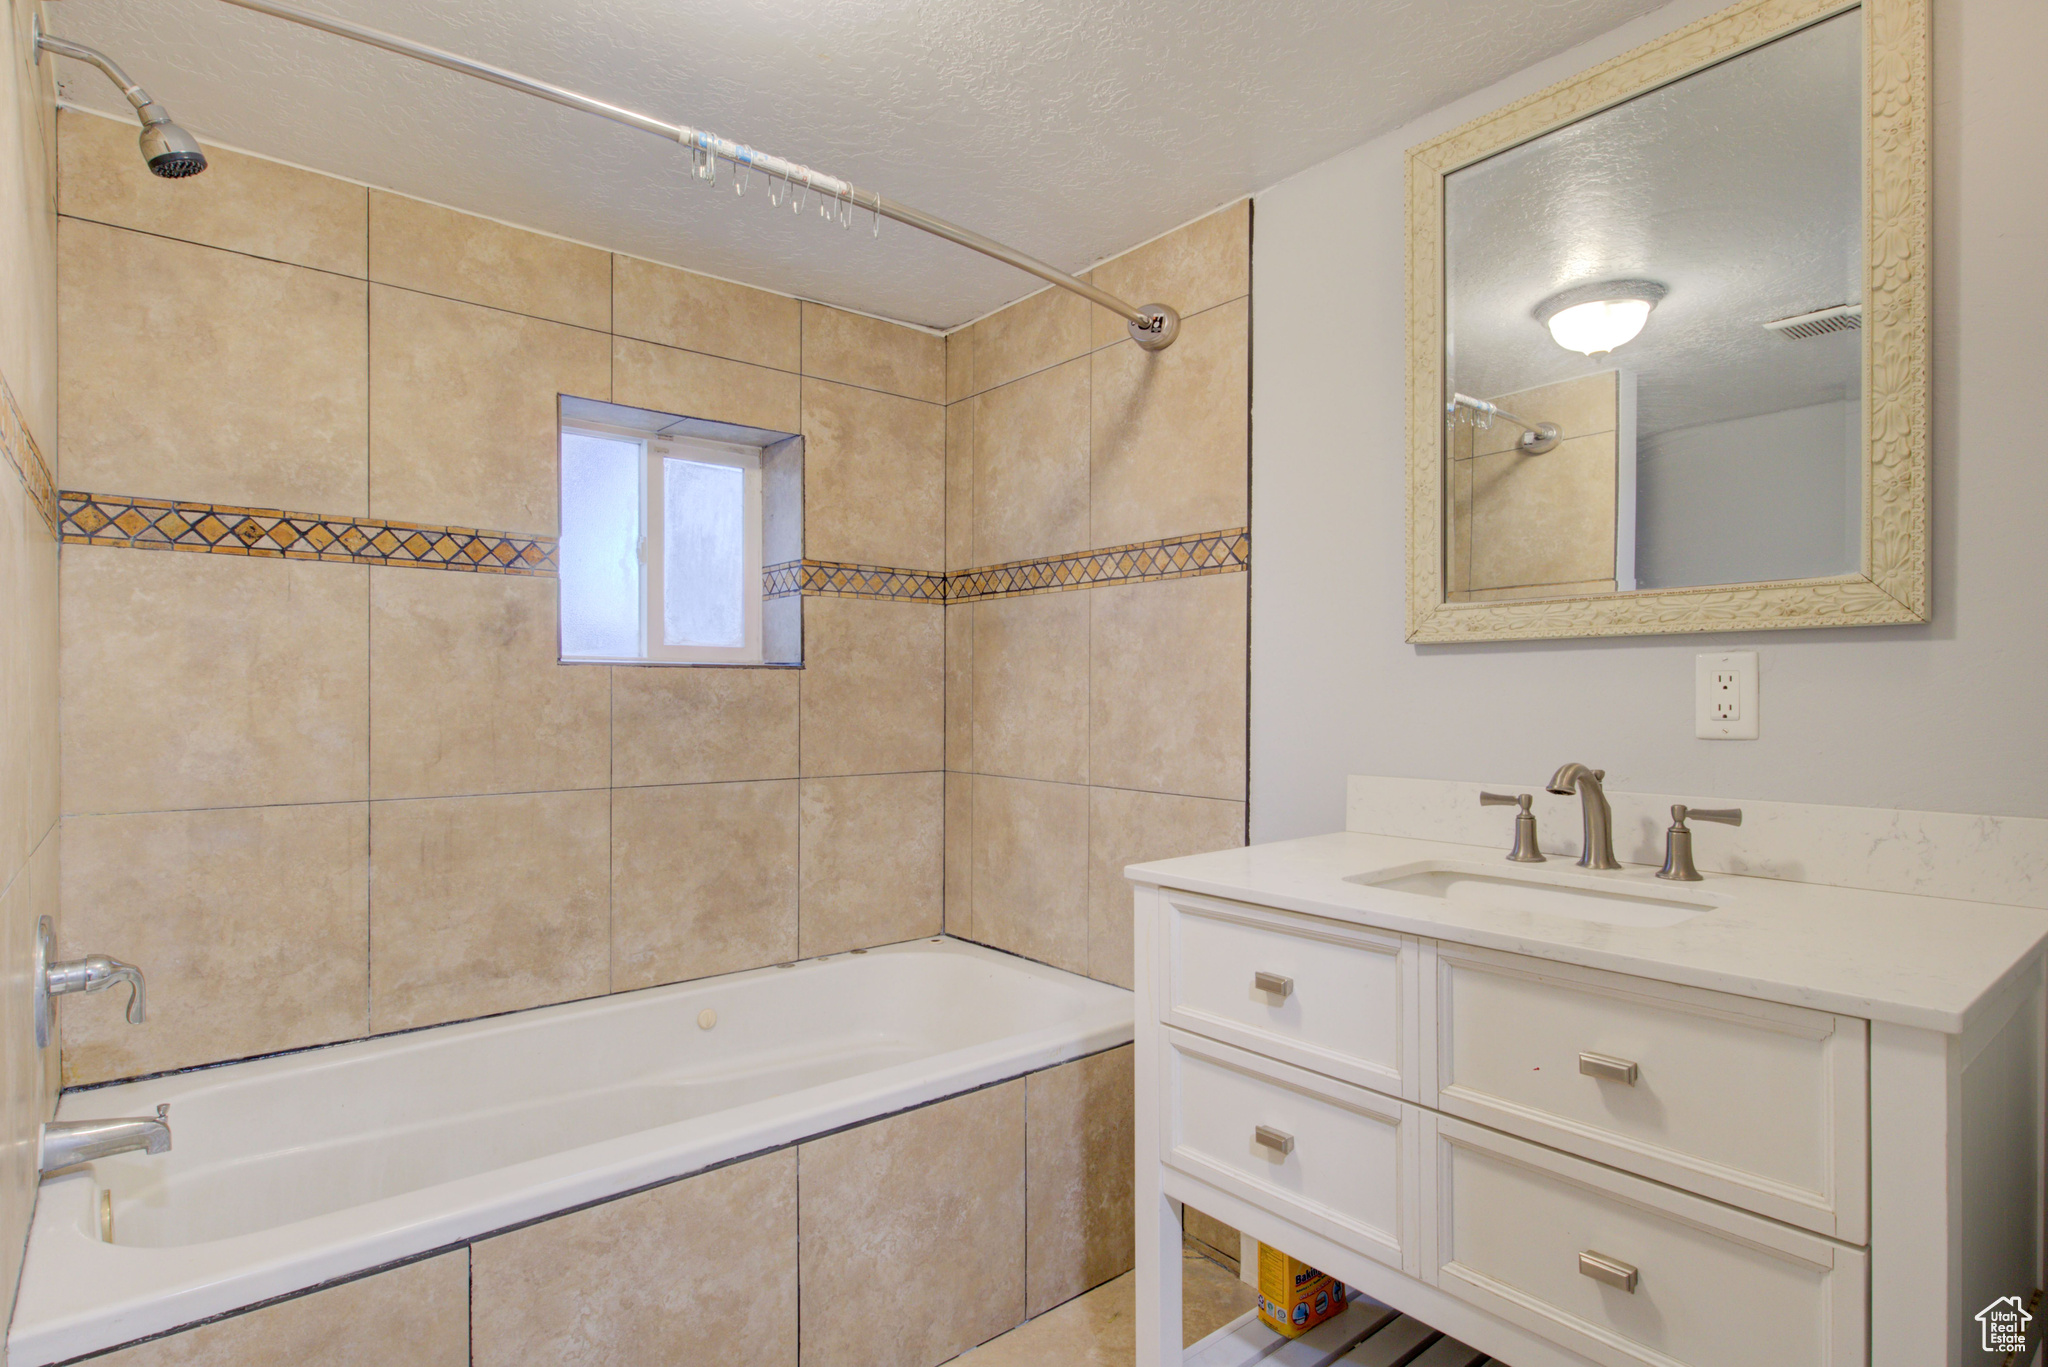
[(660, 553)]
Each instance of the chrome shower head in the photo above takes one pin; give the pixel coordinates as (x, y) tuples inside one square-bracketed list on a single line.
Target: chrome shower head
[(170, 151)]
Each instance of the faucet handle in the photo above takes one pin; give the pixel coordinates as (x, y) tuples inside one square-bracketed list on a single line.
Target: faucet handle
[(1524, 851), (1678, 865)]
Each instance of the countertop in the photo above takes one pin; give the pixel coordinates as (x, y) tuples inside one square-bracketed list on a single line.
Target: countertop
[(1926, 962)]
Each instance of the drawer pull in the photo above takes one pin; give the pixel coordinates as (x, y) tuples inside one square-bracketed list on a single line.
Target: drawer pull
[(1279, 1141), (1280, 987), (1609, 1271), (1611, 1068)]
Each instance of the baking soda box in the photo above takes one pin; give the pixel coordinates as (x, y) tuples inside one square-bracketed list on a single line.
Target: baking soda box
[(1294, 1297)]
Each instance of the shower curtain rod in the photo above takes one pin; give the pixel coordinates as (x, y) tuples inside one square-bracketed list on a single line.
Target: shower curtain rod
[(1154, 326)]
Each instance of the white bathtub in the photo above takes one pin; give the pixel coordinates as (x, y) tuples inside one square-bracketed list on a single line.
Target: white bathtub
[(292, 1171)]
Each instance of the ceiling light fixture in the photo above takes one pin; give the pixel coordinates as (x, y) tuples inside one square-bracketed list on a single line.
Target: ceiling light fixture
[(1595, 319)]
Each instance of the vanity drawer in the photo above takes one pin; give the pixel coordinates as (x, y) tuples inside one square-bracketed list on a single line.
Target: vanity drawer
[(1753, 1103), (1338, 1160), (1629, 1272), (1319, 994)]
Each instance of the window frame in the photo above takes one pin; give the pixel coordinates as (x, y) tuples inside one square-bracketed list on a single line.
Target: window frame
[(655, 448)]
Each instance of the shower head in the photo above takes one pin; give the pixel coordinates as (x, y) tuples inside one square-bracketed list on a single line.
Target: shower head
[(170, 151)]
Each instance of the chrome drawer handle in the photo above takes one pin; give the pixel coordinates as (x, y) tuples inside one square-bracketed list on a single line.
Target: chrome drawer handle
[(1611, 1068), (1280, 987), (1610, 1271), (1279, 1141)]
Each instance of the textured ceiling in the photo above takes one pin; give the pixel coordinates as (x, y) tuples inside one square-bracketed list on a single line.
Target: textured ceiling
[(1738, 189), (1071, 129)]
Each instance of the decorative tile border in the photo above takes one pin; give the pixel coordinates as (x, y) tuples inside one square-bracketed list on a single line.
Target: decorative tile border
[(158, 525), (163, 525), (831, 579), (1180, 557), (27, 458)]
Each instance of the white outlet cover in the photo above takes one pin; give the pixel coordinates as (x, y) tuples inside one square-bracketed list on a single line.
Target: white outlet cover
[(1725, 684)]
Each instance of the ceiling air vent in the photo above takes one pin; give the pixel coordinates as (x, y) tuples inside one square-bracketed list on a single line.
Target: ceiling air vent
[(1840, 318)]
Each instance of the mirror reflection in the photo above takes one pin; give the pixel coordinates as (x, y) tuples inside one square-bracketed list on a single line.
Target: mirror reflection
[(1653, 368)]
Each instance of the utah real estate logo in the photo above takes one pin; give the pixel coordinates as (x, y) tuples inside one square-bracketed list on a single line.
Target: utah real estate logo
[(2005, 1323)]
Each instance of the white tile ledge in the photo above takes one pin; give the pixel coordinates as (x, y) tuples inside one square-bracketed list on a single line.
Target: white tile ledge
[(2000, 859)]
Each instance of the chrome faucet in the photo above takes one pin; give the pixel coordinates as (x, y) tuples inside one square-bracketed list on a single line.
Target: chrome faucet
[(1599, 817), (68, 1142)]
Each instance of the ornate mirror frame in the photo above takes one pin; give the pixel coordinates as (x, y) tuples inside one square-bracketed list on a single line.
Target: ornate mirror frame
[(1892, 586)]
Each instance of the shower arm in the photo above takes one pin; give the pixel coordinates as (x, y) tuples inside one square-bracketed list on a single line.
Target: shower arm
[(1537, 437), (1153, 326)]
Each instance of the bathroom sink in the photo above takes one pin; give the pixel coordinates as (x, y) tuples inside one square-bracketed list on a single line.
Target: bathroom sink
[(1581, 897)]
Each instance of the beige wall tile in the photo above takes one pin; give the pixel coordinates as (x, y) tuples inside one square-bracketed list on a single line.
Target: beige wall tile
[(192, 373), (873, 687), (1031, 687), (244, 203), (1031, 467), (250, 923), (696, 386), (1575, 589), (487, 904), (463, 415), (960, 686), (854, 349), (211, 680), (1125, 828), (466, 694), (960, 485), (1546, 519), (698, 1273), (1215, 1236), (1031, 869), (411, 1316), (1030, 335), (679, 308), (685, 725), (960, 855), (1169, 454), (1190, 269), (960, 364), (39, 656), (873, 861), (1167, 693), (704, 880), (420, 246), (879, 1289), (874, 478), (1079, 1170), (14, 678)]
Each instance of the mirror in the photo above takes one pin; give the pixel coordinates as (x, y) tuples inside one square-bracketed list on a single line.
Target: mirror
[(1655, 347)]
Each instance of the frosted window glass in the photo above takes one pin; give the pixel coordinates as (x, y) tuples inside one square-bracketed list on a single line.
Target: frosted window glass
[(600, 547), (704, 547)]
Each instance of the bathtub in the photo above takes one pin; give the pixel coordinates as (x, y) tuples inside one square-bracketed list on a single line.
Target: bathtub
[(293, 1171)]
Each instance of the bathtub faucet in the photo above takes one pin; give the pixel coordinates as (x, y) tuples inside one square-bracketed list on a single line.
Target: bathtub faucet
[(66, 1142)]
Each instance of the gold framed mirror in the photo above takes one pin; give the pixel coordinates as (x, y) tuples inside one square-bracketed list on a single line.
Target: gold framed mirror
[(1668, 338)]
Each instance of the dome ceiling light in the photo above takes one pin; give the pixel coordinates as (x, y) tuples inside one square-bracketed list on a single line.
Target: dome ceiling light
[(1595, 319)]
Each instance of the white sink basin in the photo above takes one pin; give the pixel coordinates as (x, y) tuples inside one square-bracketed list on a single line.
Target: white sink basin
[(1582, 897)]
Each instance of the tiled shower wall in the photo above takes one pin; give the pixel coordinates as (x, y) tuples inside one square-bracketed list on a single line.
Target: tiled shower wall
[(320, 798), (28, 608), (1097, 725)]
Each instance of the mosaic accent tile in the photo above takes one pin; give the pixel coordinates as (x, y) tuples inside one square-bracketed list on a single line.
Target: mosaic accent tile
[(27, 458), (1180, 557), (829, 578), (160, 525)]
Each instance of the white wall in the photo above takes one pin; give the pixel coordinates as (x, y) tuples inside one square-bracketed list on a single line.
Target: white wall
[(1950, 716), (1770, 496)]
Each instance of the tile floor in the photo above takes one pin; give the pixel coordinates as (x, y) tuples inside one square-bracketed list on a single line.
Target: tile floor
[(1096, 1329)]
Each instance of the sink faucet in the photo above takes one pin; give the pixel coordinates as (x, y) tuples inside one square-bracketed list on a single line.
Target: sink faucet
[(66, 1142), (1599, 817)]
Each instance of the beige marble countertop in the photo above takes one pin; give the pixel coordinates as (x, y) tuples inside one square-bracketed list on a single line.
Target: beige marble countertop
[(1927, 962)]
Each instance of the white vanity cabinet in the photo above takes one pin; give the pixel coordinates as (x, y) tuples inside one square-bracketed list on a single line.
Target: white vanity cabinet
[(1564, 1165)]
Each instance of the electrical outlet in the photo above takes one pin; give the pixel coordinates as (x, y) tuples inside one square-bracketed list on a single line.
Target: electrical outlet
[(1724, 705)]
